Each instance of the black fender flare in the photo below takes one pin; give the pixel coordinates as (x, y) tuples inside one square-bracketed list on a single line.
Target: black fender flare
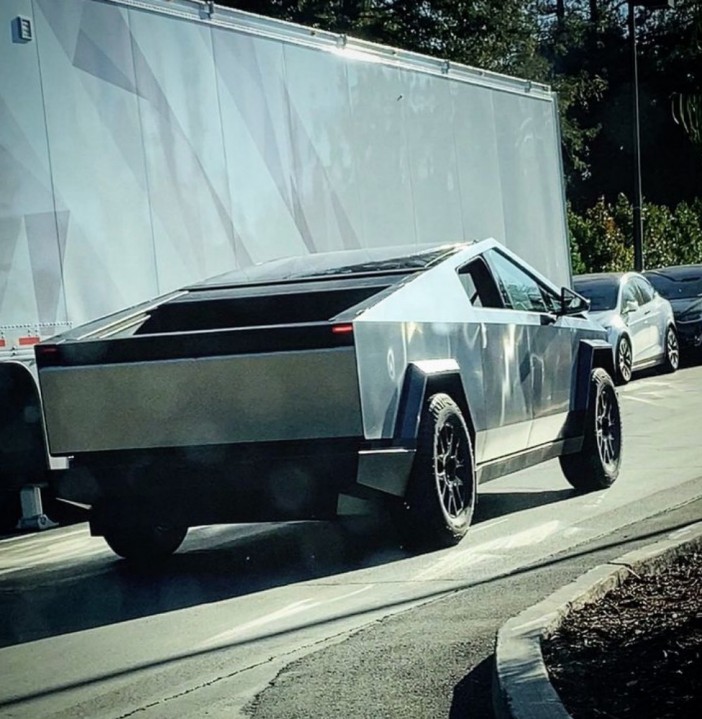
[(421, 380), (23, 453), (591, 354)]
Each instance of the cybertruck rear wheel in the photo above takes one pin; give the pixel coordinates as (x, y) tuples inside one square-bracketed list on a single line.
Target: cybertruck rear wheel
[(144, 544), (438, 506), (596, 466)]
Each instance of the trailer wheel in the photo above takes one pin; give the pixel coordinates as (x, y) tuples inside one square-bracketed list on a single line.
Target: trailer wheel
[(438, 505), (144, 544), (10, 510), (596, 466)]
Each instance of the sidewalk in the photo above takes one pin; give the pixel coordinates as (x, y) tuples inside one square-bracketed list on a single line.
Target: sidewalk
[(522, 689), (438, 660)]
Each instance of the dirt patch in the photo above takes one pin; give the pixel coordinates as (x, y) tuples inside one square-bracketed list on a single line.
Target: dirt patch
[(636, 653)]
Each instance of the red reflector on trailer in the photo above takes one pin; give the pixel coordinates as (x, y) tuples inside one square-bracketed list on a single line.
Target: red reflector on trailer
[(342, 329), (47, 350), (28, 340), (2, 342)]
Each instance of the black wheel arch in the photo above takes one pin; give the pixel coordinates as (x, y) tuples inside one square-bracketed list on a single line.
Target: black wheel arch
[(23, 452), (591, 354), (419, 384)]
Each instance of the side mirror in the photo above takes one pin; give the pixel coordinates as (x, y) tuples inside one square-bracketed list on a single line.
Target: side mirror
[(630, 306), (572, 303)]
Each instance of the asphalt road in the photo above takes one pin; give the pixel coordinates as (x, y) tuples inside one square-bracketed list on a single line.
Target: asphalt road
[(314, 619)]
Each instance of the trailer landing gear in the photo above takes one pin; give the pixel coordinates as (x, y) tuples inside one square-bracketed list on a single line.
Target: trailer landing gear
[(33, 516)]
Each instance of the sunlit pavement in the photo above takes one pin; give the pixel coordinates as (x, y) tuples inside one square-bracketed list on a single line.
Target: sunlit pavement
[(83, 633)]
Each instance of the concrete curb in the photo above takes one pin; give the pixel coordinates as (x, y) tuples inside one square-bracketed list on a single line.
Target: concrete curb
[(521, 686)]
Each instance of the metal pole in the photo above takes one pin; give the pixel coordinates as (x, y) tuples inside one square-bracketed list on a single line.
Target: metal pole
[(638, 195)]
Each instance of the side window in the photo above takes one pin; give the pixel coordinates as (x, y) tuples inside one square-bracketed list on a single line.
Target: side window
[(479, 284), (629, 294), (644, 288), (520, 291)]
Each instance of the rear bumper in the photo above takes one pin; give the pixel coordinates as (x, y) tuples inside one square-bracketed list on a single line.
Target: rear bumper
[(241, 483)]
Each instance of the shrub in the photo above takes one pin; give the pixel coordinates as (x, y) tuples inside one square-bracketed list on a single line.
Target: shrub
[(601, 239)]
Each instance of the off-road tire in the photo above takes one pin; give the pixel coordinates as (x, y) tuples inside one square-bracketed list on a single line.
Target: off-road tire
[(671, 359), (144, 544), (440, 498), (597, 464), (624, 361)]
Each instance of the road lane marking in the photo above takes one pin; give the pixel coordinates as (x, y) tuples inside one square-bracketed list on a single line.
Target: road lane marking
[(284, 613), (472, 555)]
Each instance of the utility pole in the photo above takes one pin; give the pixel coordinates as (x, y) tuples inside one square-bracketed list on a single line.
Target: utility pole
[(636, 138), (636, 135)]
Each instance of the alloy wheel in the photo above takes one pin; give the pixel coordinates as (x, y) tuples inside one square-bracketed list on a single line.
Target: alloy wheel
[(607, 427), (624, 360), (451, 466), (671, 348)]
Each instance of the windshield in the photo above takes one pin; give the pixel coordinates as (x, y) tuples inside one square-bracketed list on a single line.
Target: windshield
[(602, 293), (677, 288)]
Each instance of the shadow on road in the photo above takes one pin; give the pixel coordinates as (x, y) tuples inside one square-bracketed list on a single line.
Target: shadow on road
[(214, 564), (227, 563), (491, 504), (472, 696)]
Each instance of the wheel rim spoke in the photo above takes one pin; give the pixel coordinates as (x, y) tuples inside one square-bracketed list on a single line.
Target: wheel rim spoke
[(625, 359), (672, 347), (606, 428), (450, 467)]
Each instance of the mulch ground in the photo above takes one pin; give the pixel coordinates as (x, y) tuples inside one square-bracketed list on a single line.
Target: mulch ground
[(637, 653)]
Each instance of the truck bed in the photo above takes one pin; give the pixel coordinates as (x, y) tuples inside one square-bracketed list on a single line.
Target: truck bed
[(212, 366)]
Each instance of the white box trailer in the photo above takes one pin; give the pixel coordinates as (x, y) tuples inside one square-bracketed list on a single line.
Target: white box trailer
[(148, 144)]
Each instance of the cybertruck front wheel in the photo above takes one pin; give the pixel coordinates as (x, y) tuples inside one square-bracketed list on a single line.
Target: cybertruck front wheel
[(438, 506), (596, 466), (144, 544)]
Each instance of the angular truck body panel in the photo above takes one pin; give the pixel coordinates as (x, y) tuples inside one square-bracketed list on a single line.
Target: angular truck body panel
[(202, 401)]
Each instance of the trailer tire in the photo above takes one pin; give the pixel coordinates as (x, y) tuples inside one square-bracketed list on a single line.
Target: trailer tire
[(438, 505), (10, 511), (596, 465), (144, 544)]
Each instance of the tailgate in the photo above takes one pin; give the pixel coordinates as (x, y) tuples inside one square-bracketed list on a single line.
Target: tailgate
[(286, 395)]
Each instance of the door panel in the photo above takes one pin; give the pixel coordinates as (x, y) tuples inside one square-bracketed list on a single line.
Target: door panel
[(635, 321), (544, 344), (653, 339)]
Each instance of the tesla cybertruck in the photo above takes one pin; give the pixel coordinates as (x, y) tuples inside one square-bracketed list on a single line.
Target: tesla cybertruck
[(304, 387)]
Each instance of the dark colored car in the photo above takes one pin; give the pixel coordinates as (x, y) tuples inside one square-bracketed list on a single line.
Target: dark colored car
[(682, 287)]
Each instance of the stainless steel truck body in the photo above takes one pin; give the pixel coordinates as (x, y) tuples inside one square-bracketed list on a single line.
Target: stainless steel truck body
[(298, 388)]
